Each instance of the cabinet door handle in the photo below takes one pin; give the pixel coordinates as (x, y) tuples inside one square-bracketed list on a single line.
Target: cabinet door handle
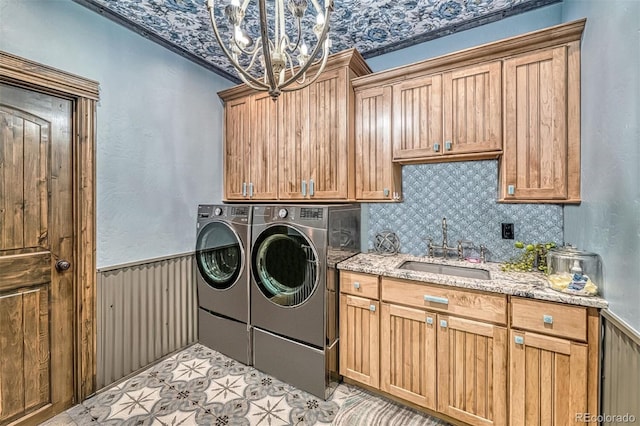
[(436, 299), (385, 192), (311, 188), (356, 285), (519, 340), (372, 308), (436, 147), (304, 188), (443, 323), (251, 190), (547, 319), (511, 189), (429, 320), (244, 189), (447, 145)]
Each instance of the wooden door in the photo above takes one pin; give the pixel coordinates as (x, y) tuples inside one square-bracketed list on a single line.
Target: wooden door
[(293, 145), (535, 145), (473, 109), (263, 148), (36, 231), (408, 354), (548, 380), (377, 178), (359, 348), (417, 118), (237, 115), (328, 138), (472, 371)]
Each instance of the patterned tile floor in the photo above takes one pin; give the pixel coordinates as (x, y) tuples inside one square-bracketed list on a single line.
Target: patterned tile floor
[(201, 386)]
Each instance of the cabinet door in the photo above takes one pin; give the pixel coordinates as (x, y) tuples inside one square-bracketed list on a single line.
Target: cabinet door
[(359, 349), (377, 178), (408, 354), (236, 164), (473, 109), (548, 380), (472, 371), (535, 145), (263, 173), (417, 118), (293, 145), (328, 139)]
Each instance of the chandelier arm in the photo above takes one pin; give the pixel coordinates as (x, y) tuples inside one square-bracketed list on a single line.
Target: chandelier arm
[(245, 76), (324, 46), (264, 32), (323, 64), (299, 37)]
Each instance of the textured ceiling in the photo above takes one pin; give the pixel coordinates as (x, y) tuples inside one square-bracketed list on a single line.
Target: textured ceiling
[(373, 27)]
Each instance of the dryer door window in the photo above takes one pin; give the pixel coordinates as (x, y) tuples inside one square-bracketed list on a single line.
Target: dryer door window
[(285, 265), (219, 255)]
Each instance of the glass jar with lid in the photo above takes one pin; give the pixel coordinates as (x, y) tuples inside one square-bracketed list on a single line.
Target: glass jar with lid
[(574, 271)]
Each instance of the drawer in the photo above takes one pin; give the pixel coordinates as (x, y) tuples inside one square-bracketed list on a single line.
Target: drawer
[(364, 285), (469, 303), (549, 318)]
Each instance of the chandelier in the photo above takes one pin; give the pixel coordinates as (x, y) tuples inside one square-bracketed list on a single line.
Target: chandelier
[(278, 59)]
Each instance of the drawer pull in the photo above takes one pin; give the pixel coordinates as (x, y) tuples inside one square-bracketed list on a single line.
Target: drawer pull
[(372, 308), (519, 340), (429, 320), (356, 285), (443, 323), (547, 319), (436, 299)]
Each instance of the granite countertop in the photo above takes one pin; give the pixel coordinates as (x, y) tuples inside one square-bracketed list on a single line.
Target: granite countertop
[(335, 256), (524, 284)]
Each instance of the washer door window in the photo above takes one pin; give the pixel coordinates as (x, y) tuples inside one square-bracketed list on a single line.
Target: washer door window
[(219, 255), (284, 265)]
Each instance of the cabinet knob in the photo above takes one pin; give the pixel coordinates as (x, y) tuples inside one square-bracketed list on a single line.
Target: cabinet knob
[(547, 319), (511, 189), (385, 192), (244, 189), (443, 323), (311, 188), (519, 340), (448, 145), (429, 320), (372, 308), (436, 147), (250, 189), (356, 285), (304, 188)]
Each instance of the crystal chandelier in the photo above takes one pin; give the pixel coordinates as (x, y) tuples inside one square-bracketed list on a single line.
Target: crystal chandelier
[(276, 61)]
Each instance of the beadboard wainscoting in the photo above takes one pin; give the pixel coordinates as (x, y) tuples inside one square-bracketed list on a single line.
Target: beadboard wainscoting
[(620, 372), (465, 193), (145, 311)]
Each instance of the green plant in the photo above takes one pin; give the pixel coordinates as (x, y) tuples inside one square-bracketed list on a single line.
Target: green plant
[(532, 256)]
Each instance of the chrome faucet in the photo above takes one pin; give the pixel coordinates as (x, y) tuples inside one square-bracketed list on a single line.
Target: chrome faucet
[(445, 244)]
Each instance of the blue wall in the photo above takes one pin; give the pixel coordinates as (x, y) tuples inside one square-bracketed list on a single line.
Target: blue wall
[(159, 149), (608, 219)]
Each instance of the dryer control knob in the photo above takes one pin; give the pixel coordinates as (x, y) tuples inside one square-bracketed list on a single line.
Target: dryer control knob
[(283, 213), (217, 211)]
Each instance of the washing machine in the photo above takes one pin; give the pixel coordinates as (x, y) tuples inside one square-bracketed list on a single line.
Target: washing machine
[(221, 258), (293, 300)]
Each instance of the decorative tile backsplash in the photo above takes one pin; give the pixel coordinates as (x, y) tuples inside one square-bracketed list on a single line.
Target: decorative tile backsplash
[(465, 193)]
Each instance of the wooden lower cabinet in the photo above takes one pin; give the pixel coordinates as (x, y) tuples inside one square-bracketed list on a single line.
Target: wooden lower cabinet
[(548, 380), (408, 354), (359, 339), (472, 371)]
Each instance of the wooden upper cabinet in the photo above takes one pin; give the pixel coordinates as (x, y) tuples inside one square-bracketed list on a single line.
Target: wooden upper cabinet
[(473, 109), (250, 148), (377, 178), (299, 148), (456, 113), (541, 161), (417, 118), (236, 167)]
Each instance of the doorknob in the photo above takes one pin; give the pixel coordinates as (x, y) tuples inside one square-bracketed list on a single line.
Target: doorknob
[(62, 265)]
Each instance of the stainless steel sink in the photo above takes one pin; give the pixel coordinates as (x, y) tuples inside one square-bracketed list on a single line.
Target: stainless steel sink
[(435, 268)]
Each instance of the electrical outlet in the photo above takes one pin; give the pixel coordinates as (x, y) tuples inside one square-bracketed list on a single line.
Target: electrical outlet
[(507, 231)]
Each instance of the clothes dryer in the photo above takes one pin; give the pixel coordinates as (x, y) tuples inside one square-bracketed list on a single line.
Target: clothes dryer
[(221, 258), (293, 309)]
